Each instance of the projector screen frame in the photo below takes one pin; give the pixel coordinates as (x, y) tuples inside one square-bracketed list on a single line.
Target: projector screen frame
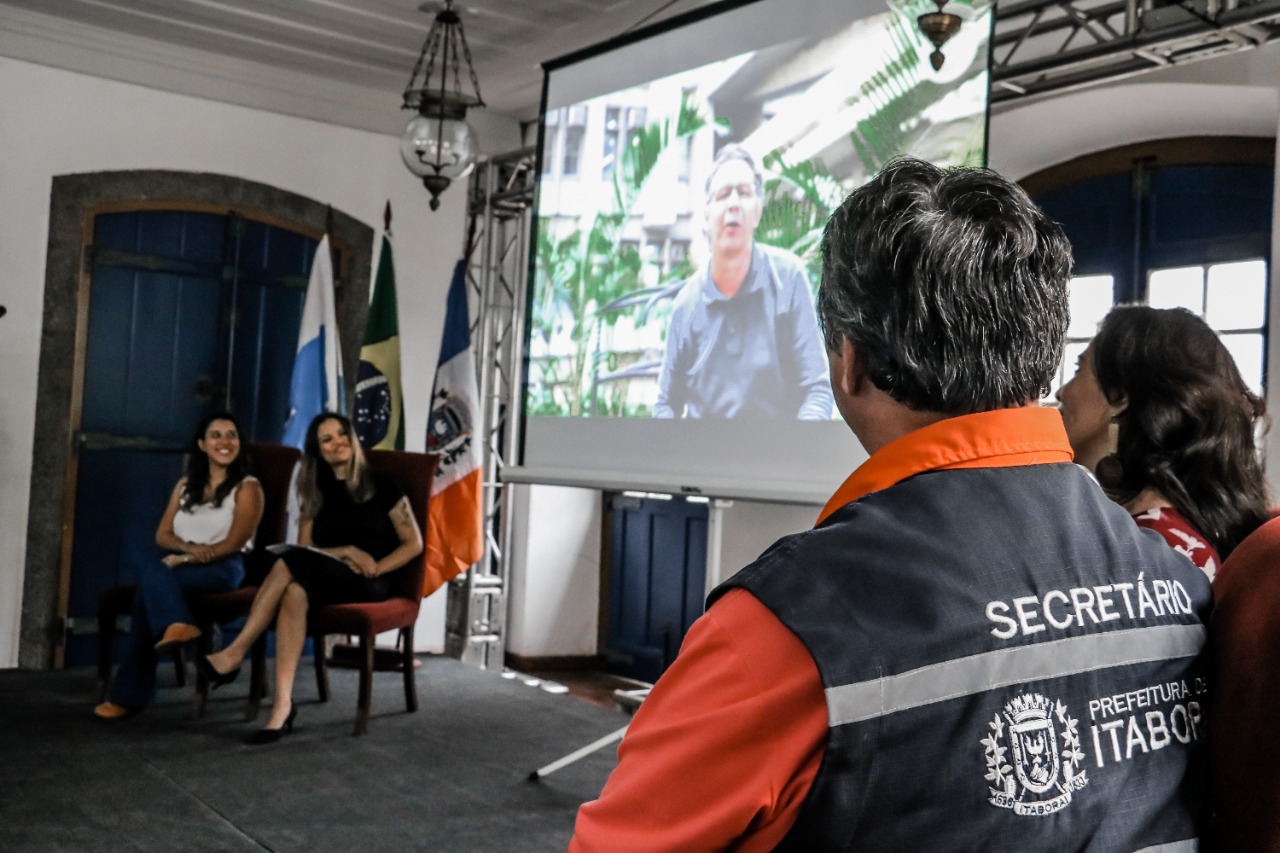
[(610, 477)]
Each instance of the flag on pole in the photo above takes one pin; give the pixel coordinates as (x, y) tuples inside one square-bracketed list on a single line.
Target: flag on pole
[(317, 368), (379, 412), (455, 534)]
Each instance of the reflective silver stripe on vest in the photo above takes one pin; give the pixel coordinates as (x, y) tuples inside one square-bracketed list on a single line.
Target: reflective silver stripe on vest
[(1188, 845), (852, 703)]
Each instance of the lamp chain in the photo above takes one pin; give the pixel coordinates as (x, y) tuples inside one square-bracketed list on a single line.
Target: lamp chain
[(417, 66), (466, 53), (431, 60), (457, 73)]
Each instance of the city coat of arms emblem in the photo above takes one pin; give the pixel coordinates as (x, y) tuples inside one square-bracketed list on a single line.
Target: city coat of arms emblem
[(1030, 772)]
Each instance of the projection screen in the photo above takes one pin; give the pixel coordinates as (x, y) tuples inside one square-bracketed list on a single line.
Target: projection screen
[(648, 364)]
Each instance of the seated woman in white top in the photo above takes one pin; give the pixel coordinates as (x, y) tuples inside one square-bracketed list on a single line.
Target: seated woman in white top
[(207, 527)]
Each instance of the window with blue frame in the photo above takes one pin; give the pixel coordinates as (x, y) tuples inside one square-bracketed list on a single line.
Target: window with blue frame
[(1187, 235)]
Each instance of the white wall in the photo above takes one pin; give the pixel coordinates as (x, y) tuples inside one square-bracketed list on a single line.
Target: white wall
[(1045, 133), (746, 529), (55, 122), (553, 596)]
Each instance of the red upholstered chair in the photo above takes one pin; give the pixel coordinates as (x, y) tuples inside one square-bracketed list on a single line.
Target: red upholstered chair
[(414, 472), (273, 466), (1244, 635)]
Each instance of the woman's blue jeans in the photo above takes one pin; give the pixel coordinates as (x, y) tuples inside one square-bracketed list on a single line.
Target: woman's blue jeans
[(161, 600)]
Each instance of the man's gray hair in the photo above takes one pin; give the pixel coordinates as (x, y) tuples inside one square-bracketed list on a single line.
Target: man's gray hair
[(950, 284), (734, 151)]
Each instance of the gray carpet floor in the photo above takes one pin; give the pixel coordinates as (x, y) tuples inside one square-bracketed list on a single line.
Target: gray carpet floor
[(452, 776)]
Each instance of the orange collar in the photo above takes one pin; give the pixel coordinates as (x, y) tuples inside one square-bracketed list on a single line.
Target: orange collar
[(1031, 435)]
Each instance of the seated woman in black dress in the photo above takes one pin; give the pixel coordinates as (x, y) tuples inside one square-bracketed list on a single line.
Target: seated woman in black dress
[(360, 525)]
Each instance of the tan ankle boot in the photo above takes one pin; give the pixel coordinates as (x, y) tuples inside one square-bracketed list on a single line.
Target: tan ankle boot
[(112, 711), (175, 635)]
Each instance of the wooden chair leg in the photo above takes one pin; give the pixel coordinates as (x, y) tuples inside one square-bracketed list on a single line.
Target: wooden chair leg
[(366, 684), (179, 667), (322, 671), (106, 653), (410, 676), (204, 646)]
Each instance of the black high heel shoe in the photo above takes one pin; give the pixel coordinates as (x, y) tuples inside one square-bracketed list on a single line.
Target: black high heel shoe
[(216, 679), (265, 736)]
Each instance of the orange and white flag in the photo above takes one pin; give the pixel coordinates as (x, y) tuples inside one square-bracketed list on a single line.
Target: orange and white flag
[(455, 531)]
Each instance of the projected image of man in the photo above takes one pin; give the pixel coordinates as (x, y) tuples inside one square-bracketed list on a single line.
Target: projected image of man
[(743, 339)]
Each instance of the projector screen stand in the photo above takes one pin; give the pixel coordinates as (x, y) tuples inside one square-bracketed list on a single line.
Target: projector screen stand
[(628, 700)]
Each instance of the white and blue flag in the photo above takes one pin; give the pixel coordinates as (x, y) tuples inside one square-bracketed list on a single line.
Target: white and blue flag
[(317, 368)]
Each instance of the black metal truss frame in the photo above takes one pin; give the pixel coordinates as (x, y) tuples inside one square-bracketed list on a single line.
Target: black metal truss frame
[(1043, 46)]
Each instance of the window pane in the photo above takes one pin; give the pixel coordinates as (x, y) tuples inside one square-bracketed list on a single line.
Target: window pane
[(1177, 288), (1237, 295), (611, 132), (677, 252), (549, 153), (1246, 349), (572, 149), (1090, 299)]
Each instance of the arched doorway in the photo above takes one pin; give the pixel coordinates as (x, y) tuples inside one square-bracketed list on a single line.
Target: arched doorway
[(192, 207)]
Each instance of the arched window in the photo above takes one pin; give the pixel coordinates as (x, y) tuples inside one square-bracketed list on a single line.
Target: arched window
[(1182, 222)]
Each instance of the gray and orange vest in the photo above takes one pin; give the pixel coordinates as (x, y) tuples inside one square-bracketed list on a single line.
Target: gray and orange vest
[(1009, 664)]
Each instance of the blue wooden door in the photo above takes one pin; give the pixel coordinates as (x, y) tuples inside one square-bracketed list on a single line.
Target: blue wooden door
[(189, 312), (657, 575), (271, 286)]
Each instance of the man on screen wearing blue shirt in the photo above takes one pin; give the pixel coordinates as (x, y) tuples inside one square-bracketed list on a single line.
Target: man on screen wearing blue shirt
[(743, 338)]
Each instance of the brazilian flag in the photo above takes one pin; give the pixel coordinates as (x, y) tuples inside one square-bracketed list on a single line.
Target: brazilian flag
[(379, 412)]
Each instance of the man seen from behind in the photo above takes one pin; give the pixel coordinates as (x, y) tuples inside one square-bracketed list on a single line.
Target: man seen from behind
[(974, 649)]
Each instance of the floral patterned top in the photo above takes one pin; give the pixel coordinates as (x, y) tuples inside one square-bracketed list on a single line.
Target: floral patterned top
[(1182, 537)]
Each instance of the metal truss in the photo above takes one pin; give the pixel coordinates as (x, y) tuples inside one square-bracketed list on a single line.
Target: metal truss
[(499, 216), (1043, 46)]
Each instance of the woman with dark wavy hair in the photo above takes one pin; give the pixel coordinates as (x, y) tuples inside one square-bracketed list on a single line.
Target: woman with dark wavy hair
[(206, 528), (1159, 386)]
